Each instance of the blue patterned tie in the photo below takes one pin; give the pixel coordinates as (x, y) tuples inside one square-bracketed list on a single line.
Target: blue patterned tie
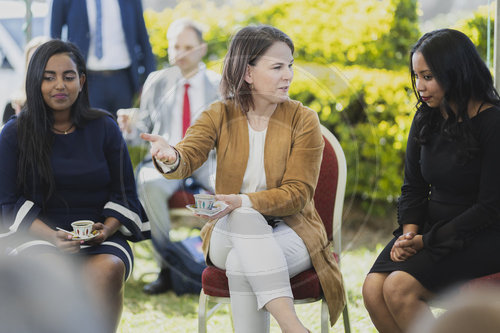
[(98, 29)]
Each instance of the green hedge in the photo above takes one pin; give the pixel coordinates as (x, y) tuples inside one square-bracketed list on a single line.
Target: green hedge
[(374, 33), (476, 27), (342, 47), (370, 112)]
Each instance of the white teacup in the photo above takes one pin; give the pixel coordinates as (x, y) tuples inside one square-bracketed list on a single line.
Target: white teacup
[(204, 201), (82, 228)]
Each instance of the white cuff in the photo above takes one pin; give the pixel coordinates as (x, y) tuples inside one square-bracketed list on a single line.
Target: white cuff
[(167, 168), (245, 201)]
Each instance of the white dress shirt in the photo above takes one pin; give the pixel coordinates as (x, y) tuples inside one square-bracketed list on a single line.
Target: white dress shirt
[(196, 103), (114, 47)]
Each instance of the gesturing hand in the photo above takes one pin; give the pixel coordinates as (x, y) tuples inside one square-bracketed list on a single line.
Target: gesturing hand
[(160, 149)]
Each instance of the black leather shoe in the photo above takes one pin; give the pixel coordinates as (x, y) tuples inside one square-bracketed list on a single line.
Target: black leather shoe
[(160, 285)]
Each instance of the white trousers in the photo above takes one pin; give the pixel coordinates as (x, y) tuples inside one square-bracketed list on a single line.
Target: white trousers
[(259, 261), (154, 190)]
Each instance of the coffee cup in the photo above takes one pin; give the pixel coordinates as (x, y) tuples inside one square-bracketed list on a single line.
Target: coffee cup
[(204, 201), (82, 228)]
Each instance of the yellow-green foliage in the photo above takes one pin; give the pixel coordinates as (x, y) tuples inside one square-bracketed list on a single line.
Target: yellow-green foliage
[(476, 28), (218, 24), (314, 25), (341, 48), (375, 33), (370, 111)]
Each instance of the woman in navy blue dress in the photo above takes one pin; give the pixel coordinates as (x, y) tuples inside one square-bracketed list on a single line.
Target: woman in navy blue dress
[(63, 161), (449, 209)]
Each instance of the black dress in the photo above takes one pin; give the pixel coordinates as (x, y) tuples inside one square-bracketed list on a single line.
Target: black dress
[(455, 204)]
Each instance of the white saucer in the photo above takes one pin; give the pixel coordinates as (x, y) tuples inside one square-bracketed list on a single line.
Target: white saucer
[(91, 236), (218, 206)]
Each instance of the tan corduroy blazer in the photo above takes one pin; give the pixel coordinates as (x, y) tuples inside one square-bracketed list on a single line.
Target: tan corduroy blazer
[(292, 158)]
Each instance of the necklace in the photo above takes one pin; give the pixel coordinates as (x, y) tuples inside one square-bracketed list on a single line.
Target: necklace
[(63, 131)]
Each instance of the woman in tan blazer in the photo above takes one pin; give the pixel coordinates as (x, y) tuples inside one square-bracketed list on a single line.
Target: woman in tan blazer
[(269, 151)]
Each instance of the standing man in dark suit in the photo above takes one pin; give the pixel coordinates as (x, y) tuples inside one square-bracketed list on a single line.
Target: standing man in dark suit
[(112, 36)]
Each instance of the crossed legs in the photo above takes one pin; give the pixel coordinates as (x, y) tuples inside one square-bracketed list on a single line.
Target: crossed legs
[(259, 262), (393, 300)]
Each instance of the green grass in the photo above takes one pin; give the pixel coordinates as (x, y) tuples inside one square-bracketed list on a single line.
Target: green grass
[(171, 313)]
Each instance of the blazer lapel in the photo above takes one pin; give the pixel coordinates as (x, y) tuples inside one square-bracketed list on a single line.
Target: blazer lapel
[(277, 147), (232, 152)]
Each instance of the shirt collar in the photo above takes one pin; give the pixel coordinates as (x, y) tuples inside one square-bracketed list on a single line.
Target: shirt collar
[(197, 79)]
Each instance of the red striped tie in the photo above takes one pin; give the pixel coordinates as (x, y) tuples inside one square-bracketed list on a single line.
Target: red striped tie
[(186, 111)]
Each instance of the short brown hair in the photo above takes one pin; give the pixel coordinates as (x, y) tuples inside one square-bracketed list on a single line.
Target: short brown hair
[(246, 47)]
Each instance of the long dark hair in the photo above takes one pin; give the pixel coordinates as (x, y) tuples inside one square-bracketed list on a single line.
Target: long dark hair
[(35, 122), (246, 47), (463, 76)]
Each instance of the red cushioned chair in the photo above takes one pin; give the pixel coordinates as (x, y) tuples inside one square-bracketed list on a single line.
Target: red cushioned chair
[(492, 279), (443, 301), (329, 200), (178, 201)]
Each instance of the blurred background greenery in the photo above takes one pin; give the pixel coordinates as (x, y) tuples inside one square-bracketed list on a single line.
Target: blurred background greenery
[(351, 67)]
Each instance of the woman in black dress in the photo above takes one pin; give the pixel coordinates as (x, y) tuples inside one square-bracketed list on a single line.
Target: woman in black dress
[(449, 209)]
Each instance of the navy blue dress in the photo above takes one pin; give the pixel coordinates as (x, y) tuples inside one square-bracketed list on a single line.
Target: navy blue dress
[(94, 179), (455, 204)]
